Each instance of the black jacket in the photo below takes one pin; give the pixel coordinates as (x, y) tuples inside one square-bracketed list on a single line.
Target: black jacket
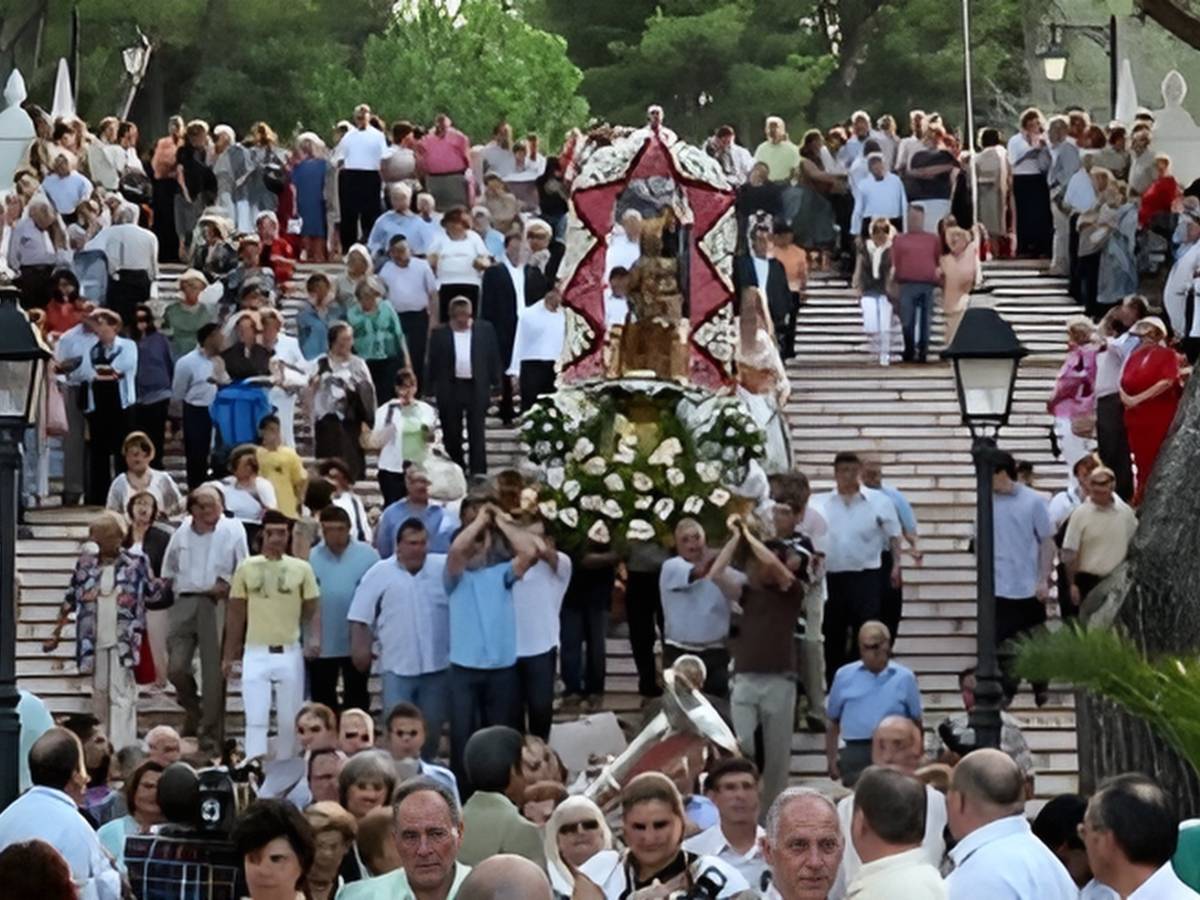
[(498, 302), (486, 369), (775, 291)]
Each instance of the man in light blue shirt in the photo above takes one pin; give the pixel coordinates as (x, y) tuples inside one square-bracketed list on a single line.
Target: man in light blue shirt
[(399, 220), (485, 688), (891, 607), (401, 603), (481, 218), (862, 695), (339, 564), (48, 811), (997, 856), (1023, 554), (415, 505)]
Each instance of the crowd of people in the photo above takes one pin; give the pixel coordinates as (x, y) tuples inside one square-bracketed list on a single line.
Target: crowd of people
[(455, 594)]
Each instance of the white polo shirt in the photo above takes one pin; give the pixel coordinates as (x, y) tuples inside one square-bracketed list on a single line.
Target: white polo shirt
[(537, 599), (362, 149)]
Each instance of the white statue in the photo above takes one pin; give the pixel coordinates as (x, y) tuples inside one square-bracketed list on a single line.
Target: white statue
[(16, 128), (64, 98), (1175, 131)]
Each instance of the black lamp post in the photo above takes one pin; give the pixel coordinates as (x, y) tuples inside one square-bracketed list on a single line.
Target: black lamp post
[(985, 352), (22, 358), (1054, 57)]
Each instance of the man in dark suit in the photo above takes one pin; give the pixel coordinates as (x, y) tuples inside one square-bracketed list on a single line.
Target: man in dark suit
[(463, 367), (758, 269), (499, 305)]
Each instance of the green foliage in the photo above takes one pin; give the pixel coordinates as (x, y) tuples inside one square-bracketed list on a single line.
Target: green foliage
[(1164, 692), (480, 62)]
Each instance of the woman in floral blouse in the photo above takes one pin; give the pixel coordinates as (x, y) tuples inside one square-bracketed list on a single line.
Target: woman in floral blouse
[(378, 336), (108, 593)]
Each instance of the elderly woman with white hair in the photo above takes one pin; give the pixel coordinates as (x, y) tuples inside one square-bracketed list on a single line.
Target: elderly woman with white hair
[(231, 166), (575, 832), (308, 178)]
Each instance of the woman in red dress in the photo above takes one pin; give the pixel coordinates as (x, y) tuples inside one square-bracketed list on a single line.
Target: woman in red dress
[(1150, 391)]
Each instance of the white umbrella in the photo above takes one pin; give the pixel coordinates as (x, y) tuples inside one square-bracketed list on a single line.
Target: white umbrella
[(64, 98), (1127, 100)]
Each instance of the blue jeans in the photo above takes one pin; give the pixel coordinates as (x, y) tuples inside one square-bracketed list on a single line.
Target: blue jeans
[(584, 620), (480, 698), (430, 693), (916, 299)]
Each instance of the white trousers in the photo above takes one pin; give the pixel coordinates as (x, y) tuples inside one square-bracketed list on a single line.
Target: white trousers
[(263, 670), (114, 698), (877, 322), (1060, 263), (285, 407), (1072, 446), (157, 626)]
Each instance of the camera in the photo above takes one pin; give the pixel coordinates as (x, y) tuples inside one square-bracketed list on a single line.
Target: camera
[(707, 886)]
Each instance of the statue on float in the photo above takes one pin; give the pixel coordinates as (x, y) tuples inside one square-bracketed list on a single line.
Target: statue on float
[(645, 426)]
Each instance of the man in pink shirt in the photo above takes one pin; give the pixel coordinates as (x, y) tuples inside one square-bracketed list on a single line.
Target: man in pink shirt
[(915, 259), (444, 155)]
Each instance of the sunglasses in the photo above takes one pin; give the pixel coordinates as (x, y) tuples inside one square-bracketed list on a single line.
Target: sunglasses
[(573, 827)]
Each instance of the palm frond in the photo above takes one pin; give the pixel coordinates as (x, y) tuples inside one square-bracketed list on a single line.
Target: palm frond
[(1164, 692)]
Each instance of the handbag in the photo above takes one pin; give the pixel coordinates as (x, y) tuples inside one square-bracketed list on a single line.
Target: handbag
[(1084, 426), (56, 410), (274, 176), (144, 672), (446, 478)]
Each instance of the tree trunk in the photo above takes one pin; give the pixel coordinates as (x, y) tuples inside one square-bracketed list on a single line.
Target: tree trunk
[(1177, 18), (1156, 603)]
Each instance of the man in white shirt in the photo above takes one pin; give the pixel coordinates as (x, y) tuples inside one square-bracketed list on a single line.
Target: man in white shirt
[(537, 601), (860, 133), (73, 347), (1130, 832), (896, 746), (862, 525), (412, 291), (879, 195), (105, 157), (886, 831), (735, 160), (49, 812), (698, 588), (66, 188), (127, 139), (625, 242), (803, 845), (734, 786), (132, 253), (537, 347), (199, 563), (193, 387), (508, 290), (914, 143), (401, 603), (358, 156), (997, 855), (1112, 443)]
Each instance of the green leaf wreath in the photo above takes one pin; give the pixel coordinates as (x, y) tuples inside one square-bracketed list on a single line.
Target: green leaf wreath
[(624, 460), (1164, 692)]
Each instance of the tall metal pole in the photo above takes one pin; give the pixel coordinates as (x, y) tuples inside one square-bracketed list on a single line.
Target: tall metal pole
[(969, 143), (985, 716), (11, 451), (74, 65), (1114, 65)]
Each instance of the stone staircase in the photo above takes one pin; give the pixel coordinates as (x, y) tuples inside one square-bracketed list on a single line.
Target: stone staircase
[(906, 414)]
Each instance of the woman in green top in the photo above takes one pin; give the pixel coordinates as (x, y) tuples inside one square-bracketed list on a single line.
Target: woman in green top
[(183, 319), (378, 337)]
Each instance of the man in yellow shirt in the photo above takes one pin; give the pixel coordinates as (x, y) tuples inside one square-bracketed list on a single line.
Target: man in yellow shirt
[(1098, 536), (281, 466), (272, 595)]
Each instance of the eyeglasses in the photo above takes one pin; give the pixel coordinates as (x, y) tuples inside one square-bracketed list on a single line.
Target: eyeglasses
[(574, 827)]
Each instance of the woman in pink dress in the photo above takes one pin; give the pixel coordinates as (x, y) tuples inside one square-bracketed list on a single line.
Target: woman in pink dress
[(1150, 391), (960, 268), (1073, 402)]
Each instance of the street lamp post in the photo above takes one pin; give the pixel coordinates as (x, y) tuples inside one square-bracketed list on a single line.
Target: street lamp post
[(22, 358), (136, 59), (985, 353), (1054, 57)]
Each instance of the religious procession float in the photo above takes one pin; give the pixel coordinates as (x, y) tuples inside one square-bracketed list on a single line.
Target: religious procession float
[(655, 419)]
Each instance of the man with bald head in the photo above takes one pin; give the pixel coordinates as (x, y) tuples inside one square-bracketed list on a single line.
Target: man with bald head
[(803, 845), (896, 746), (862, 695), (163, 745), (199, 563), (49, 811), (506, 877), (998, 855)]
